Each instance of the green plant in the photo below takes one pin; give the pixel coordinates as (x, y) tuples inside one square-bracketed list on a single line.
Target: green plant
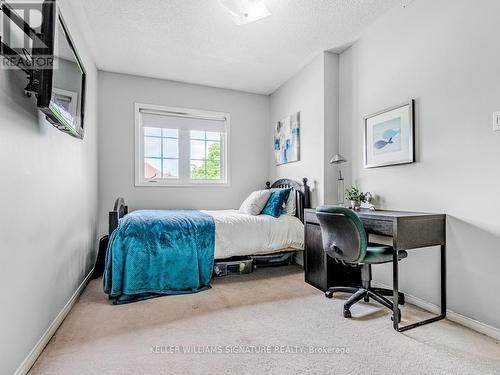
[(356, 195), (210, 169)]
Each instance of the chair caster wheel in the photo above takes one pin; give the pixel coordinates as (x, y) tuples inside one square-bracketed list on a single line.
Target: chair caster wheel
[(347, 314), (366, 299), (328, 294), (401, 300)]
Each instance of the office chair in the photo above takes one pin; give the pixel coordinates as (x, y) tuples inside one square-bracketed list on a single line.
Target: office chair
[(345, 240)]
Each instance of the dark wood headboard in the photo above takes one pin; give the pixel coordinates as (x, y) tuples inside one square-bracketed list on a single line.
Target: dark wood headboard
[(301, 191), (119, 211)]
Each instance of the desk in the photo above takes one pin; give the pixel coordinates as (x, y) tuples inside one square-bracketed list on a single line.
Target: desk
[(409, 230)]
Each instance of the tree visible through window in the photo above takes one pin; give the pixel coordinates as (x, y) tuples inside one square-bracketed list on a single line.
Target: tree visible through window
[(205, 155), (210, 168)]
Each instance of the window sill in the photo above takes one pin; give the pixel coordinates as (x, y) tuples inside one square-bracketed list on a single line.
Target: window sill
[(183, 185)]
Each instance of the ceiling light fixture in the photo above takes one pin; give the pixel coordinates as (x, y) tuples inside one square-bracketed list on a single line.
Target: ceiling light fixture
[(245, 11)]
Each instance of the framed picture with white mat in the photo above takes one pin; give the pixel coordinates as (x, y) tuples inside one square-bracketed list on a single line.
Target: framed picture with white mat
[(389, 137)]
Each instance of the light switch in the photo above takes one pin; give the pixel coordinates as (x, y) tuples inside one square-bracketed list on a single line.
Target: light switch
[(496, 121)]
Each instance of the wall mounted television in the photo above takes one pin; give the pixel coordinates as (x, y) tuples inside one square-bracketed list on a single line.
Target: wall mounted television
[(56, 73)]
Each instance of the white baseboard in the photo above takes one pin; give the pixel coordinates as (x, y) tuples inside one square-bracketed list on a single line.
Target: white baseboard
[(31, 358), (463, 320)]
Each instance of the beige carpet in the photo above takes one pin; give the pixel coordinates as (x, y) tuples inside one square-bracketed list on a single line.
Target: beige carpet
[(274, 315)]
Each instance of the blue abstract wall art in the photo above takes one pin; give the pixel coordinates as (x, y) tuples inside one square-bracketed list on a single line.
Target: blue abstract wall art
[(287, 139), (387, 136)]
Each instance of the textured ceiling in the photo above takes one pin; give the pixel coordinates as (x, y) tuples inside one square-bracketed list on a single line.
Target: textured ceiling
[(196, 40)]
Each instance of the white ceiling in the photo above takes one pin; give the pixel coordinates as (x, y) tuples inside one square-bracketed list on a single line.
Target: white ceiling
[(196, 41)]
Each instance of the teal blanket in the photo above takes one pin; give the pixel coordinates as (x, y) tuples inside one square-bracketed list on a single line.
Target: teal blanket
[(154, 253)]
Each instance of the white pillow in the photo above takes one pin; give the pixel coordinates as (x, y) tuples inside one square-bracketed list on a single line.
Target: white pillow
[(255, 202), (290, 205)]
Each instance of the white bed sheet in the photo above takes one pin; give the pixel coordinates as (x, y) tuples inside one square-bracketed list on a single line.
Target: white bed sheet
[(237, 234)]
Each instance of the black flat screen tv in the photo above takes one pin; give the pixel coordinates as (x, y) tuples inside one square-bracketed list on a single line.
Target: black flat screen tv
[(60, 82)]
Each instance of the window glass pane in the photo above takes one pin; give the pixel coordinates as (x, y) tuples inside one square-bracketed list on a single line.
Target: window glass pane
[(152, 168), (155, 132), (213, 160), (172, 133), (213, 136), (197, 135), (197, 169), (170, 168), (170, 148), (152, 147), (197, 149)]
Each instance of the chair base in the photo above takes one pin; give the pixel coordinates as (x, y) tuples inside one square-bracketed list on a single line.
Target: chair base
[(378, 294)]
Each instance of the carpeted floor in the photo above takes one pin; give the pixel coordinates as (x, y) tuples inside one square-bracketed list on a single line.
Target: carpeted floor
[(272, 315)]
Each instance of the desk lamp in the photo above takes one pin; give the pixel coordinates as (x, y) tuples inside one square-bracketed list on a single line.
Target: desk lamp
[(339, 159)]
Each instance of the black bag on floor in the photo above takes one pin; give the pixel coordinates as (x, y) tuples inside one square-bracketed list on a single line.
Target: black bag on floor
[(101, 258)]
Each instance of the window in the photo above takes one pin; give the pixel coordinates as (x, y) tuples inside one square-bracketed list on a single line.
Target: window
[(179, 147)]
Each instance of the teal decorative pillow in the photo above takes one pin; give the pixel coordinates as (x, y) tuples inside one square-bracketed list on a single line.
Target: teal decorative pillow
[(274, 206)]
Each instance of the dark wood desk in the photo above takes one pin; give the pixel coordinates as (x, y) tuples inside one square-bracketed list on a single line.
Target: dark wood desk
[(408, 230)]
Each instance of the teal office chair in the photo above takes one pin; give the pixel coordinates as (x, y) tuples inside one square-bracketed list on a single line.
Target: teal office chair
[(345, 240)]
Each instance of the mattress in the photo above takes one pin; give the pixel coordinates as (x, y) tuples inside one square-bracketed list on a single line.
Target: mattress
[(238, 234)]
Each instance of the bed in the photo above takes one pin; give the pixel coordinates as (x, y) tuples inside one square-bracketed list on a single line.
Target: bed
[(139, 265), (238, 234)]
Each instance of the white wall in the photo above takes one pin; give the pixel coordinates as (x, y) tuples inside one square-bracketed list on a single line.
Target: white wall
[(314, 92), (331, 126), (444, 54), (250, 134), (49, 209)]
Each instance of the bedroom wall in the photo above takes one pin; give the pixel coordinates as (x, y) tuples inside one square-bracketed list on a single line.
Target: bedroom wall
[(49, 210), (250, 133), (445, 55), (314, 92)]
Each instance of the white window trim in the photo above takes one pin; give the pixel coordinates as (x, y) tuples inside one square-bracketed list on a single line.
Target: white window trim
[(187, 112)]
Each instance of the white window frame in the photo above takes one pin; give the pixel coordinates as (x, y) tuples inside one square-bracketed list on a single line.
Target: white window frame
[(180, 182)]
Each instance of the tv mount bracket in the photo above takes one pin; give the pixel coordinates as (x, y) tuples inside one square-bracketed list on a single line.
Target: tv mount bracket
[(25, 63)]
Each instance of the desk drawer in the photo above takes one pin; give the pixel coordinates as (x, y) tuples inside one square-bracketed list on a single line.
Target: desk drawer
[(375, 226), (382, 227)]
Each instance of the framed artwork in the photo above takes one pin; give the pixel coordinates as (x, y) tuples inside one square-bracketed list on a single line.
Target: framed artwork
[(389, 136), (287, 139)]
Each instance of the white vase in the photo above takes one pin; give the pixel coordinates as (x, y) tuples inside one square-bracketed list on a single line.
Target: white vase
[(355, 205)]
